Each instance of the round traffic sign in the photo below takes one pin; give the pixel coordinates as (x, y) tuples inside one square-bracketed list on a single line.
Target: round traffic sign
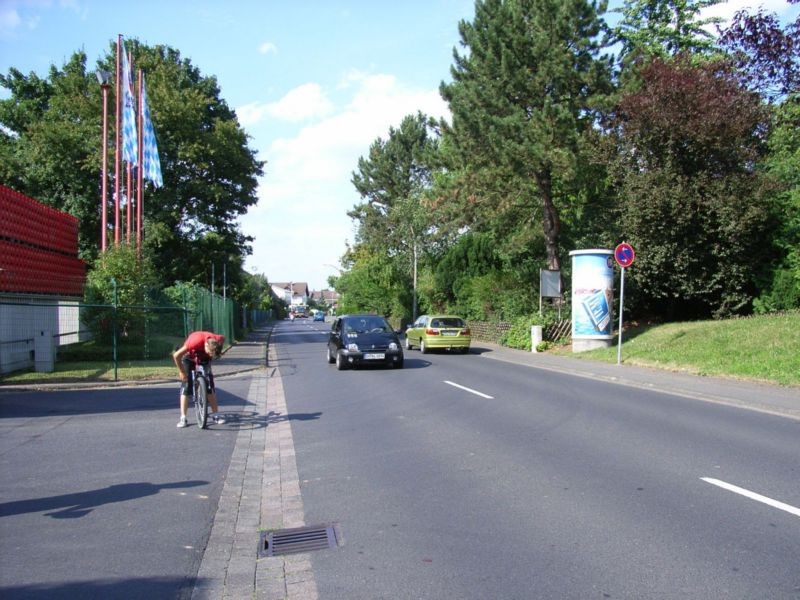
[(624, 255)]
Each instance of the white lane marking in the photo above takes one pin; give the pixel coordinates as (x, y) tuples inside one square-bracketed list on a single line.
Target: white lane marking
[(753, 496), (471, 391)]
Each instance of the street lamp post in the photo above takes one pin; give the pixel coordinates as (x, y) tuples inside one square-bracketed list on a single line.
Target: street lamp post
[(103, 77)]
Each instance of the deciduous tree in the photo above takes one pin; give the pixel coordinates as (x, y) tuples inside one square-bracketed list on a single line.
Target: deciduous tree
[(691, 199), (766, 54), (663, 28), (51, 147), (392, 181)]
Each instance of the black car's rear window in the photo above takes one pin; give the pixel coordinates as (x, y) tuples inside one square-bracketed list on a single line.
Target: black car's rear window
[(451, 322)]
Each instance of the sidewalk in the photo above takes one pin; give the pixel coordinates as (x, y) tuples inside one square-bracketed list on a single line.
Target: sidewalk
[(261, 493), (773, 399)]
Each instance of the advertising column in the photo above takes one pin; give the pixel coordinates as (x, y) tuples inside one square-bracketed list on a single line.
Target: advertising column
[(592, 299)]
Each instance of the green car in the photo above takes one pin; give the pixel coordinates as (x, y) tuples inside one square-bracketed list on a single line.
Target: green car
[(438, 331)]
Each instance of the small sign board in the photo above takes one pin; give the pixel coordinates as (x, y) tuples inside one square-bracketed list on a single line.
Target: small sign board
[(549, 283), (550, 287), (624, 255)]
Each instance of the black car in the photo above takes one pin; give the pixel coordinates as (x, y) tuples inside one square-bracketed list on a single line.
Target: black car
[(363, 340)]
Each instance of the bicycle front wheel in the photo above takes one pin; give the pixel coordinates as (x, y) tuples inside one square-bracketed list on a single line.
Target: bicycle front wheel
[(201, 400)]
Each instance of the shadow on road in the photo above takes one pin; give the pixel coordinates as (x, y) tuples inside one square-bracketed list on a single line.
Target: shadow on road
[(121, 589), (79, 504), (59, 403), (273, 417)]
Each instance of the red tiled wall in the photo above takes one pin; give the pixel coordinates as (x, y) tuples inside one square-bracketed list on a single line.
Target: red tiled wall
[(38, 247)]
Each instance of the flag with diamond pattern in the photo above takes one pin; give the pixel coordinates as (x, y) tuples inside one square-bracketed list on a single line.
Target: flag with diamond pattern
[(151, 164), (129, 139)]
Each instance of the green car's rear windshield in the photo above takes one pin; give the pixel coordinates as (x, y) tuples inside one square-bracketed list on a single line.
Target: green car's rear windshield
[(448, 322)]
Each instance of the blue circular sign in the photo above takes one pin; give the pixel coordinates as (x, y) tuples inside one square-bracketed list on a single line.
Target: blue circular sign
[(624, 255)]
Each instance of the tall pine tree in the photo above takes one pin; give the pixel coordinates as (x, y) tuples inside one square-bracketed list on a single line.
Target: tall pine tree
[(521, 96)]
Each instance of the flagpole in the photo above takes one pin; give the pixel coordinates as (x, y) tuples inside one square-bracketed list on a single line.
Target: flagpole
[(117, 133), (103, 77), (140, 173), (127, 208), (129, 136), (129, 195)]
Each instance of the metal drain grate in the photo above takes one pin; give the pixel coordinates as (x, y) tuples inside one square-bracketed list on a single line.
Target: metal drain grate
[(297, 540)]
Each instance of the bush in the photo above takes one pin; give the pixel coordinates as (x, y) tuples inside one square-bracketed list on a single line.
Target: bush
[(784, 294), (118, 277), (492, 297), (519, 336)]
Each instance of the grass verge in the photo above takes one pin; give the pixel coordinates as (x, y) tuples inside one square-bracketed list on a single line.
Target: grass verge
[(761, 348), (84, 372)]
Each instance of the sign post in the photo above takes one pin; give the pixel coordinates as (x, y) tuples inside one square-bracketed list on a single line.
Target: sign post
[(624, 256)]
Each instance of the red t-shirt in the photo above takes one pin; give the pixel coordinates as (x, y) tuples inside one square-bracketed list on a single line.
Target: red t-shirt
[(196, 343)]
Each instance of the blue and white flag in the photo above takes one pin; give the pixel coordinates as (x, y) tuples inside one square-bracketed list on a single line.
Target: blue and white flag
[(130, 145), (151, 164)]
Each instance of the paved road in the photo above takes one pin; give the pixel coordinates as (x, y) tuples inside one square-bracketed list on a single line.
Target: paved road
[(460, 477), (100, 488)]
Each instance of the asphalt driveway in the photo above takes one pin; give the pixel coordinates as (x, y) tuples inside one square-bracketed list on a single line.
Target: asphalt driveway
[(102, 496)]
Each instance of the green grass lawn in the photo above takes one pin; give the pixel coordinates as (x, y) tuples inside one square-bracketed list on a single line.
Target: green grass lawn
[(73, 372), (763, 348)]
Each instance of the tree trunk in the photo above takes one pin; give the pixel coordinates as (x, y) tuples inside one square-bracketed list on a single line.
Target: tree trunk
[(550, 220)]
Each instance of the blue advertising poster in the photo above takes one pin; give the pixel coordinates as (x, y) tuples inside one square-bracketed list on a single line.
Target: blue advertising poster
[(592, 293)]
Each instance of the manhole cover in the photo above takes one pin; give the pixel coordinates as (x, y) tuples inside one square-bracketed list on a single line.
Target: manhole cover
[(296, 540)]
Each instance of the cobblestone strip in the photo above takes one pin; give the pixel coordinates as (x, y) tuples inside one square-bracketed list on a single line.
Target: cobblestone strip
[(261, 492), (281, 577), (227, 570)]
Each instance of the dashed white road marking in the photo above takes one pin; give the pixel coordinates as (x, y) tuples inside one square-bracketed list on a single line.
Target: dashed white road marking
[(470, 390), (753, 496)]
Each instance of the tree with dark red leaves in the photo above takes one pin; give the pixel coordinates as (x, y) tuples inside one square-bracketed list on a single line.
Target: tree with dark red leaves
[(767, 55)]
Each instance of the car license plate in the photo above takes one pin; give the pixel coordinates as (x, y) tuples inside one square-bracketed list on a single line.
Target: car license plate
[(375, 356), (449, 333)]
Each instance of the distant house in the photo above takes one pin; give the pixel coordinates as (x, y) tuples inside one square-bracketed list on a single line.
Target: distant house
[(326, 297), (293, 293)]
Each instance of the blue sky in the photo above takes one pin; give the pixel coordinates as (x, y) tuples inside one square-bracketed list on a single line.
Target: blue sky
[(313, 83)]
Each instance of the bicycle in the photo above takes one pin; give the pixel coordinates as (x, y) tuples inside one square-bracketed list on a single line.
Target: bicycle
[(200, 386)]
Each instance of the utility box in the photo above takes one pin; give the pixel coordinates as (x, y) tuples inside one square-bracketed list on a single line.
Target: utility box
[(592, 299), (44, 352)]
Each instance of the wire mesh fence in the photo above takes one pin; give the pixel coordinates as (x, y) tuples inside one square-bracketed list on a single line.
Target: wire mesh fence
[(46, 334)]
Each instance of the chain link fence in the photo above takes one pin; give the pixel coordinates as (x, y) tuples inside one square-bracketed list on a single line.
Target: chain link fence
[(39, 332)]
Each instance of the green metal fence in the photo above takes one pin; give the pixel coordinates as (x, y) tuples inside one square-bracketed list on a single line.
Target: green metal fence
[(39, 333)]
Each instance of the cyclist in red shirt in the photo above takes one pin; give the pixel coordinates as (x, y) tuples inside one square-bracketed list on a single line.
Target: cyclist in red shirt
[(204, 346)]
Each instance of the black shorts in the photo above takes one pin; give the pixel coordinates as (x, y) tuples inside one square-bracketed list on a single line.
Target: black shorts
[(186, 386)]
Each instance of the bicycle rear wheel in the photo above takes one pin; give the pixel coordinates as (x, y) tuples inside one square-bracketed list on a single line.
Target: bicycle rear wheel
[(201, 400)]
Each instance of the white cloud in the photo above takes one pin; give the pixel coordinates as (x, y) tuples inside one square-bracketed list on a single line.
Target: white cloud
[(301, 223), (267, 48), (303, 103), (251, 114), (9, 20), (13, 20), (726, 10)]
